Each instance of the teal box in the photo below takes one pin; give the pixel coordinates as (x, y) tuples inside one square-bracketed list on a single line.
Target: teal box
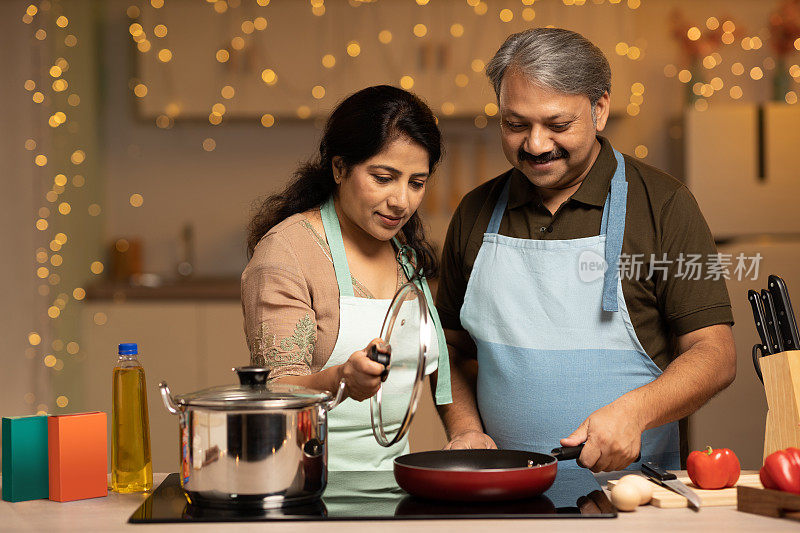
[(25, 463)]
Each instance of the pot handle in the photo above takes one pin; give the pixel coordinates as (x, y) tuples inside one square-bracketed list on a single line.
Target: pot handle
[(338, 399), (166, 395)]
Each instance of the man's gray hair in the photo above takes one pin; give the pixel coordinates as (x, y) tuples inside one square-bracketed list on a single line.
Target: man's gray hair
[(556, 59)]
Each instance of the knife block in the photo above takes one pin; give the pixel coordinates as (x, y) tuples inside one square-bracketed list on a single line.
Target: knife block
[(781, 373)]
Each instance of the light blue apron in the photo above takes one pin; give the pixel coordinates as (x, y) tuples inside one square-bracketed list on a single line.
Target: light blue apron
[(554, 337), (351, 444)]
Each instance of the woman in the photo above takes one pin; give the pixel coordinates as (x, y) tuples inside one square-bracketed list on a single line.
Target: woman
[(325, 262)]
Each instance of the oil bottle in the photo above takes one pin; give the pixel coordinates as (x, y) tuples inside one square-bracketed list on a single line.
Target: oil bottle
[(131, 462)]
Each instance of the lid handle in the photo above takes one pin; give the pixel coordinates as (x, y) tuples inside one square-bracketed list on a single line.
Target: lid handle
[(254, 376)]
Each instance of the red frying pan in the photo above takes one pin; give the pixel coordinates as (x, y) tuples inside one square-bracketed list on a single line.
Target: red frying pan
[(479, 475)]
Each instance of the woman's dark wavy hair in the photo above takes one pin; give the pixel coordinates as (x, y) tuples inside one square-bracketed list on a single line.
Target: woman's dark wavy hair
[(360, 127)]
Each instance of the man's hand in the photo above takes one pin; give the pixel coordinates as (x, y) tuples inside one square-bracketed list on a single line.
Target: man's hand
[(471, 440), (613, 436)]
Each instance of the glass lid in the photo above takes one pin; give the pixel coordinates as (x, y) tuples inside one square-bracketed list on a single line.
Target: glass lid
[(253, 392), (407, 330)]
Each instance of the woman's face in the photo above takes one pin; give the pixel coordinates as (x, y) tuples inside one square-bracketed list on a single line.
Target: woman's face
[(382, 193)]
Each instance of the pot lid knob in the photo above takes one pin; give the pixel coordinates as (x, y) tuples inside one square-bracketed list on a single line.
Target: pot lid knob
[(253, 376)]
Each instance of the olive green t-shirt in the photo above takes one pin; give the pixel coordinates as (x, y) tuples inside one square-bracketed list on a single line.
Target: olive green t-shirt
[(666, 238)]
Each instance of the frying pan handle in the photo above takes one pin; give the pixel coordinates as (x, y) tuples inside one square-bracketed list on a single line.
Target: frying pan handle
[(567, 453)]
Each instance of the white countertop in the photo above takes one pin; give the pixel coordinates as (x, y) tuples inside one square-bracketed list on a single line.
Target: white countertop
[(111, 514)]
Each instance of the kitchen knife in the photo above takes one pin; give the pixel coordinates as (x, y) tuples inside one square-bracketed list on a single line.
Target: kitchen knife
[(771, 324), (670, 481), (784, 314), (758, 315)]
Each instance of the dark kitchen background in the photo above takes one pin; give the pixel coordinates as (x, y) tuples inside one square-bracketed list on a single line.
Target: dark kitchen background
[(136, 136)]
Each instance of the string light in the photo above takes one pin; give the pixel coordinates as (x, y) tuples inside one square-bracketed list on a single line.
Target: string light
[(267, 120), (269, 76), (353, 49), (528, 14), (385, 36)]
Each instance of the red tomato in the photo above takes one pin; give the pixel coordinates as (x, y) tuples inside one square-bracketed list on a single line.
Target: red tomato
[(713, 469)]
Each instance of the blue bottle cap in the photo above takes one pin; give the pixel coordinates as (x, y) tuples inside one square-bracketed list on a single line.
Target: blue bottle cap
[(128, 348)]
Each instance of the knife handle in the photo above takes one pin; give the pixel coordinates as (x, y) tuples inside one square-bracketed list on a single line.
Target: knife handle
[(760, 320), (773, 330), (787, 323), (656, 472)]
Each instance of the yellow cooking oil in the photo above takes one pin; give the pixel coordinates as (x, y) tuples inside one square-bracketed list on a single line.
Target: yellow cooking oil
[(131, 461)]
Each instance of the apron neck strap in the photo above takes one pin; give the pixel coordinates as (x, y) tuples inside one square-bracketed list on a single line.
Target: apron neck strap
[(499, 209), (333, 231), (614, 228)]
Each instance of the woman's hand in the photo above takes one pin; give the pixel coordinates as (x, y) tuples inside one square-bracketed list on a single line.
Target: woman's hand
[(471, 440), (361, 375)]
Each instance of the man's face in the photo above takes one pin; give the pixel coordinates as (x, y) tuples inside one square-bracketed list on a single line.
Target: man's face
[(547, 135)]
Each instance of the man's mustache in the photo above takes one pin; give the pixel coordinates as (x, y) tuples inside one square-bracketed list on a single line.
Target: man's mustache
[(558, 153)]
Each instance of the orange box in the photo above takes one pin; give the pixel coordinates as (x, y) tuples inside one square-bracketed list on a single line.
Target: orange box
[(78, 454)]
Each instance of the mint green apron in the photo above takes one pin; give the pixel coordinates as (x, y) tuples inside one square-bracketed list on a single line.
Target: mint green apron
[(351, 444)]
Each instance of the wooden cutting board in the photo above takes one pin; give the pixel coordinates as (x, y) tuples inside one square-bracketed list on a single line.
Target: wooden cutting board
[(667, 499)]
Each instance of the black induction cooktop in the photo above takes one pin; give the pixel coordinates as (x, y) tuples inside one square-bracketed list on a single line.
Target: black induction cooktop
[(376, 496)]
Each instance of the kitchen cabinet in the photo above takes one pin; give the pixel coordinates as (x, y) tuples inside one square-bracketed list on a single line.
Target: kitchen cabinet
[(190, 345), (294, 42), (741, 166)]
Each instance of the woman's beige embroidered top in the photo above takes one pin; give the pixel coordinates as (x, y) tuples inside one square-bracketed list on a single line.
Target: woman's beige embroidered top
[(290, 299)]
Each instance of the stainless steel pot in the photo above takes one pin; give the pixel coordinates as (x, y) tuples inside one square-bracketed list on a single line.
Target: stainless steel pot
[(254, 444)]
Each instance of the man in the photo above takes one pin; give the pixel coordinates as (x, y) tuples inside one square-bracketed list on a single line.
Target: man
[(571, 347)]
